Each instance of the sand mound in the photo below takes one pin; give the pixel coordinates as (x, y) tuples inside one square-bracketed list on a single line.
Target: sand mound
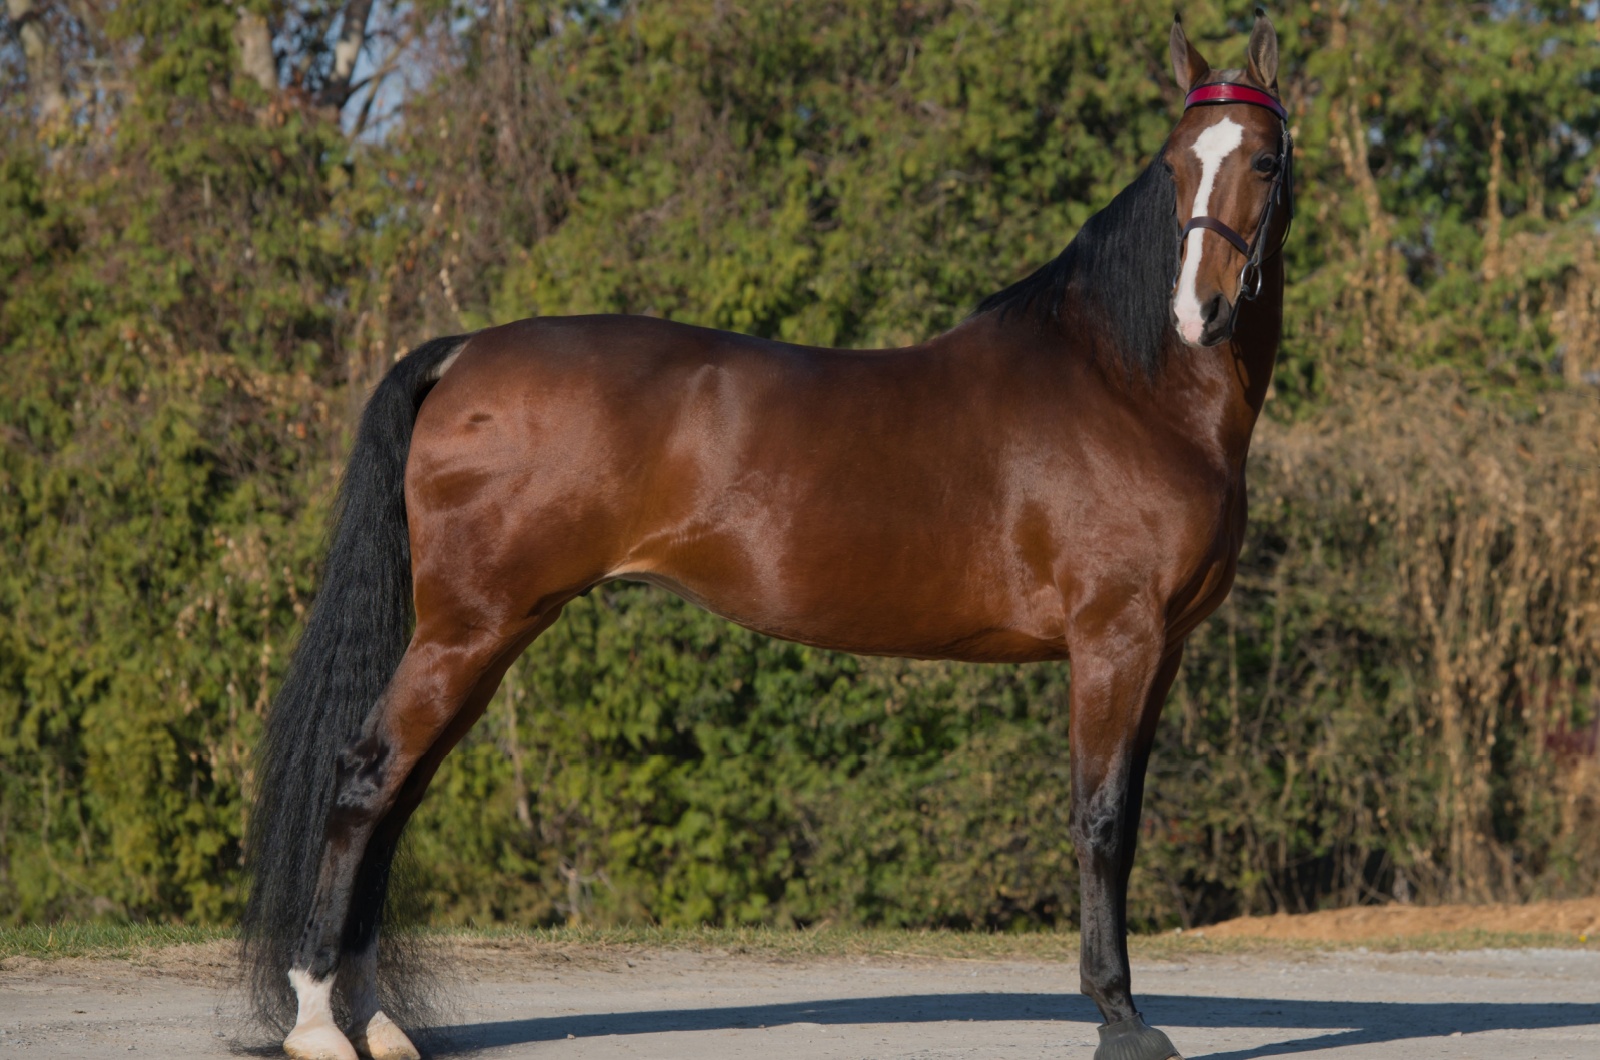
[(1580, 916)]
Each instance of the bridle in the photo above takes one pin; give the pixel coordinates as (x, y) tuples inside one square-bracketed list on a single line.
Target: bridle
[(1281, 194)]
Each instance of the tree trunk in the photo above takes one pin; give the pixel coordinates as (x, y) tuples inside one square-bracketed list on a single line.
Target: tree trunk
[(352, 35), (43, 64), (254, 38), (1494, 219)]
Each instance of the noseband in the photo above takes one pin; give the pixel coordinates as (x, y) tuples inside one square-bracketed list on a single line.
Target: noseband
[(1281, 195)]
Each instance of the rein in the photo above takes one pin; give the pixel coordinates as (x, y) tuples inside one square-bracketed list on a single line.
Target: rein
[(1280, 195)]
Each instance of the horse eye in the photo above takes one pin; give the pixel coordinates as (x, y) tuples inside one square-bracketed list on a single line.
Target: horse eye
[(1266, 164)]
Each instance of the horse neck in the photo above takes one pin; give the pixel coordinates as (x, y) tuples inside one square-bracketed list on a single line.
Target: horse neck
[(1218, 393)]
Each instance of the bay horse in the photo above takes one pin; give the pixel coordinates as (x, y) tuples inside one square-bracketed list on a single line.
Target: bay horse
[(1061, 476)]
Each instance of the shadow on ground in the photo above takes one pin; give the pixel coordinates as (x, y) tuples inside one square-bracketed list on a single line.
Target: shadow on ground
[(1335, 1023)]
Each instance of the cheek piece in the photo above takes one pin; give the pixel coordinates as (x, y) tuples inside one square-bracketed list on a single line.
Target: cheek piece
[(1280, 197)]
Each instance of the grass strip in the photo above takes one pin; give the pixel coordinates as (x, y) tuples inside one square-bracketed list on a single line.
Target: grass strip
[(112, 941), (95, 939)]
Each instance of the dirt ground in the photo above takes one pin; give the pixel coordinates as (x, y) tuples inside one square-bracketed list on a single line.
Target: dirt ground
[(532, 1000)]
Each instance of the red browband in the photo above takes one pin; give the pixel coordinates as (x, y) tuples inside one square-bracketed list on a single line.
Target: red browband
[(1228, 92)]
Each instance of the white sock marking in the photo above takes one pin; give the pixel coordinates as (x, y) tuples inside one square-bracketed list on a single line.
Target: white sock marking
[(315, 1035), (316, 999), (1211, 147)]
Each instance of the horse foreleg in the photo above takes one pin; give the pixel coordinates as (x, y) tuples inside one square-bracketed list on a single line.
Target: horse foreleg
[(1119, 682)]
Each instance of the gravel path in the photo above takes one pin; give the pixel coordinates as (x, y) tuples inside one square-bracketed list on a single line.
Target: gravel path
[(663, 1005)]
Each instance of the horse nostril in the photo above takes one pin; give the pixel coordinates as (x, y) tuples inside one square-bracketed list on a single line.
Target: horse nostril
[(1218, 327)]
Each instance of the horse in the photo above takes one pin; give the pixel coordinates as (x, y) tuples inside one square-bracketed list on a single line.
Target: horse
[(1061, 476)]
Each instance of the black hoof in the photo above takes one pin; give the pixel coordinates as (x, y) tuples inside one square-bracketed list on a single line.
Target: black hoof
[(1133, 1039)]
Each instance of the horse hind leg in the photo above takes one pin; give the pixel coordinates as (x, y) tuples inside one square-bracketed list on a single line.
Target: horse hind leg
[(372, 1030), (441, 687)]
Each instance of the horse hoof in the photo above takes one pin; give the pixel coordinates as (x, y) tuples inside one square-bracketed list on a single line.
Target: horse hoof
[(381, 1039), (1134, 1039), (318, 1041)]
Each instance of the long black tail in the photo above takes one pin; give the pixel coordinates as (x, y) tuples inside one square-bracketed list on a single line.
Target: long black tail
[(353, 642)]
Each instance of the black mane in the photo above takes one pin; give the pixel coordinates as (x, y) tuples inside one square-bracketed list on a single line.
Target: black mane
[(1114, 277)]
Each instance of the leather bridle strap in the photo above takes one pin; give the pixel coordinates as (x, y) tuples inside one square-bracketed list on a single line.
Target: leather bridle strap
[(1214, 225), (1232, 92)]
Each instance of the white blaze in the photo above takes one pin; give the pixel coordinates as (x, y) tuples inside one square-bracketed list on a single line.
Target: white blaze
[(1210, 147)]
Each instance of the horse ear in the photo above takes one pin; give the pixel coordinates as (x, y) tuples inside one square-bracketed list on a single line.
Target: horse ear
[(1188, 65), (1264, 52)]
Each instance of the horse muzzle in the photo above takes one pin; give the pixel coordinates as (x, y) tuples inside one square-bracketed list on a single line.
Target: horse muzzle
[(1214, 327)]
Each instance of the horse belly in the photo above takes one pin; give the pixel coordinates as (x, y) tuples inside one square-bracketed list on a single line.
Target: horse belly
[(894, 581), (869, 624)]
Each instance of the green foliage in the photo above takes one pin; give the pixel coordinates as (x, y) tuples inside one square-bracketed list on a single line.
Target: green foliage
[(198, 279), (726, 772)]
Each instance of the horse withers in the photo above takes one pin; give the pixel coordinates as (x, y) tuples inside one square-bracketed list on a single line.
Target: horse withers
[(1061, 476)]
